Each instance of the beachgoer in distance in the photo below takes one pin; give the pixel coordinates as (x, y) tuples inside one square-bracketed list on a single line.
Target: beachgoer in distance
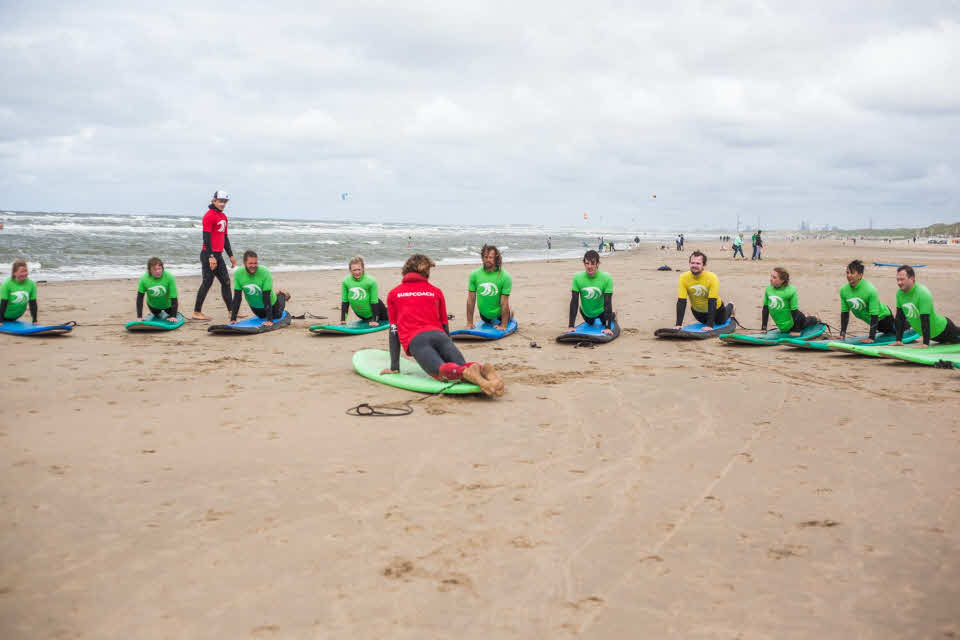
[(419, 325), (702, 287), (255, 283), (160, 289), (915, 306), (592, 293), (212, 265), (18, 293), (489, 289), (780, 300), (359, 292), (738, 246), (861, 297)]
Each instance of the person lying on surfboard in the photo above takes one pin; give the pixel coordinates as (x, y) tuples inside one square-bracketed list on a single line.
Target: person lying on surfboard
[(915, 305), (18, 293), (255, 283), (592, 292), (360, 293), (702, 287), (861, 297), (160, 290), (419, 324), (489, 290), (780, 301)]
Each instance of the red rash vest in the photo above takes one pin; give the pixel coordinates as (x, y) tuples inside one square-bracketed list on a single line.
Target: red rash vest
[(415, 306), (215, 223)]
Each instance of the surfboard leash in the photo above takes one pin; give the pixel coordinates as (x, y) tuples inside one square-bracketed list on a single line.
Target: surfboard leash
[(367, 410)]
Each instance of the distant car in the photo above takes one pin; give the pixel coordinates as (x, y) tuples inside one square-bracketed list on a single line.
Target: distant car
[(936, 241)]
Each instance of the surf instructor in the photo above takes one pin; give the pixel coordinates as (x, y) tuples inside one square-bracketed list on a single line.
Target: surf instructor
[(702, 287), (489, 290), (215, 242), (915, 305), (592, 292)]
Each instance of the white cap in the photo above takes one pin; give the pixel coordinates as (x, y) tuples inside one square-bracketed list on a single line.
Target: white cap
[(221, 195)]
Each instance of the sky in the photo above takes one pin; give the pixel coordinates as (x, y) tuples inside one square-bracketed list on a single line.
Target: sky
[(494, 112)]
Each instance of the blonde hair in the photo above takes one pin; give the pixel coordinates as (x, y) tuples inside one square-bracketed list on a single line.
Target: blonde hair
[(357, 260)]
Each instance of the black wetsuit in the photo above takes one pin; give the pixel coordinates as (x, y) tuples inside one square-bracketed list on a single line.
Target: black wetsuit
[(170, 311), (32, 304), (378, 308), (219, 272), (267, 311), (949, 335), (606, 316), (887, 325), (711, 317)]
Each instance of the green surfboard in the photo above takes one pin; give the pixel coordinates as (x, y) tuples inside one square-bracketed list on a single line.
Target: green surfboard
[(370, 362), (824, 345), (155, 323), (773, 337), (874, 350), (923, 356), (350, 329)]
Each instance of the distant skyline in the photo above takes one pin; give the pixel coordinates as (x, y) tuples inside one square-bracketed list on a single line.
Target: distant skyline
[(530, 113)]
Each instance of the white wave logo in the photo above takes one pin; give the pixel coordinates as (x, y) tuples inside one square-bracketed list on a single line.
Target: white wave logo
[(222, 226), (698, 291), (911, 310), (357, 293), (591, 293), (488, 289), (856, 303), (157, 291), (776, 302), (19, 297), (252, 289)]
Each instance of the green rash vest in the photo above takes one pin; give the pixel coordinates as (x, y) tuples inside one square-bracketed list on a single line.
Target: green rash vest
[(17, 296), (863, 301), (489, 286), (158, 290), (917, 302), (781, 302), (361, 294), (254, 285), (591, 291)]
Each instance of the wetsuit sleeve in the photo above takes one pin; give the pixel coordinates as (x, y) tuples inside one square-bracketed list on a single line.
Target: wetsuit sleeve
[(206, 241), (845, 320), (374, 293), (226, 245), (574, 301), (607, 309), (267, 306), (3, 308), (394, 348), (33, 310), (139, 304), (174, 307), (764, 317), (681, 309), (899, 323), (925, 327), (344, 307), (874, 321), (235, 307), (711, 311)]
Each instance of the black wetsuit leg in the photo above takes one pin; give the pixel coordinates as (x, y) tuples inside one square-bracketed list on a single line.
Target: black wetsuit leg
[(886, 325), (157, 312), (432, 349), (802, 321), (720, 316), (949, 335), (220, 273)]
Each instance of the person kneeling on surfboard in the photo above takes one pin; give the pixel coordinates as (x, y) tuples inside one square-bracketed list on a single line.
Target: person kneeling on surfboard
[(18, 293), (489, 289), (592, 291), (861, 297), (160, 289), (780, 301), (703, 289), (915, 305), (418, 323), (359, 292), (255, 283)]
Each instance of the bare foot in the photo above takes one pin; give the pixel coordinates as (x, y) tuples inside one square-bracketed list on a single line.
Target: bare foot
[(472, 374), (200, 316), (491, 374)]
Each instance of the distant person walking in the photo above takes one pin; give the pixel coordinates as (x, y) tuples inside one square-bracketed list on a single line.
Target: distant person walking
[(549, 243), (738, 246), (215, 242), (757, 242)]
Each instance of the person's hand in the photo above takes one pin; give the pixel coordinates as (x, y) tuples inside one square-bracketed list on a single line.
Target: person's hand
[(923, 346), (386, 371), (707, 328), (233, 322), (140, 319), (343, 322), (898, 343), (212, 262), (372, 323), (268, 323), (233, 262), (568, 330), (607, 332), (500, 327), (866, 341), (678, 327)]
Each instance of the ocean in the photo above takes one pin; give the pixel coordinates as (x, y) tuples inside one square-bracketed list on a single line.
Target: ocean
[(87, 246)]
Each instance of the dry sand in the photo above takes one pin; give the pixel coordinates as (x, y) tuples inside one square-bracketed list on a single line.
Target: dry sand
[(191, 486)]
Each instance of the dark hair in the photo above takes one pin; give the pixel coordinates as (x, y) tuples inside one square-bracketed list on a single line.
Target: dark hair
[(907, 270), (152, 262), (698, 253), (497, 260), (855, 266), (249, 253), (418, 263), (591, 256), (16, 265), (784, 275)]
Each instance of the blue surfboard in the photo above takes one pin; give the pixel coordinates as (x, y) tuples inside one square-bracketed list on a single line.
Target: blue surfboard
[(17, 328), (695, 331), (484, 331), (250, 325), (584, 332), (890, 264)]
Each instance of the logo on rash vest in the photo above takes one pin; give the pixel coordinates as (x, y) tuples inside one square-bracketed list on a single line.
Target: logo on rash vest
[(252, 289), (776, 302), (222, 226), (157, 291), (698, 291), (488, 289), (410, 294), (910, 310), (591, 293), (856, 303), (19, 297), (357, 293)]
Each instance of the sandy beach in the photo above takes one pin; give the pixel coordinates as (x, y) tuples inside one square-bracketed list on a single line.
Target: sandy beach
[(186, 485)]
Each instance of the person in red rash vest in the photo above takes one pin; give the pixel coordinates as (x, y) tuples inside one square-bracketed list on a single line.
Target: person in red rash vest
[(215, 242), (418, 322)]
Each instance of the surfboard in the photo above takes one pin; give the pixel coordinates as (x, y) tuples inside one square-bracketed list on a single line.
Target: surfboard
[(249, 326), (773, 337), (155, 323), (356, 328), (695, 331), (824, 345), (922, 356), (584, 332), (874, 350), (890, 264), (484, 331), (370, 362), (17, 328)]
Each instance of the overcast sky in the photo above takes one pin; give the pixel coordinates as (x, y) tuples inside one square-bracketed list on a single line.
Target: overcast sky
[(526, 112)]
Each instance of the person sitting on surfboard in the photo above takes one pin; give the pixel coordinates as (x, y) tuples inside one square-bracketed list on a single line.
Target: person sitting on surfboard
[(489, 289), (915, 305), (702, 287), (418, 324), (255, 283), (780, 301), (160, 289), (18, 293), (861, 297), (359, 292), (592, 292)]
